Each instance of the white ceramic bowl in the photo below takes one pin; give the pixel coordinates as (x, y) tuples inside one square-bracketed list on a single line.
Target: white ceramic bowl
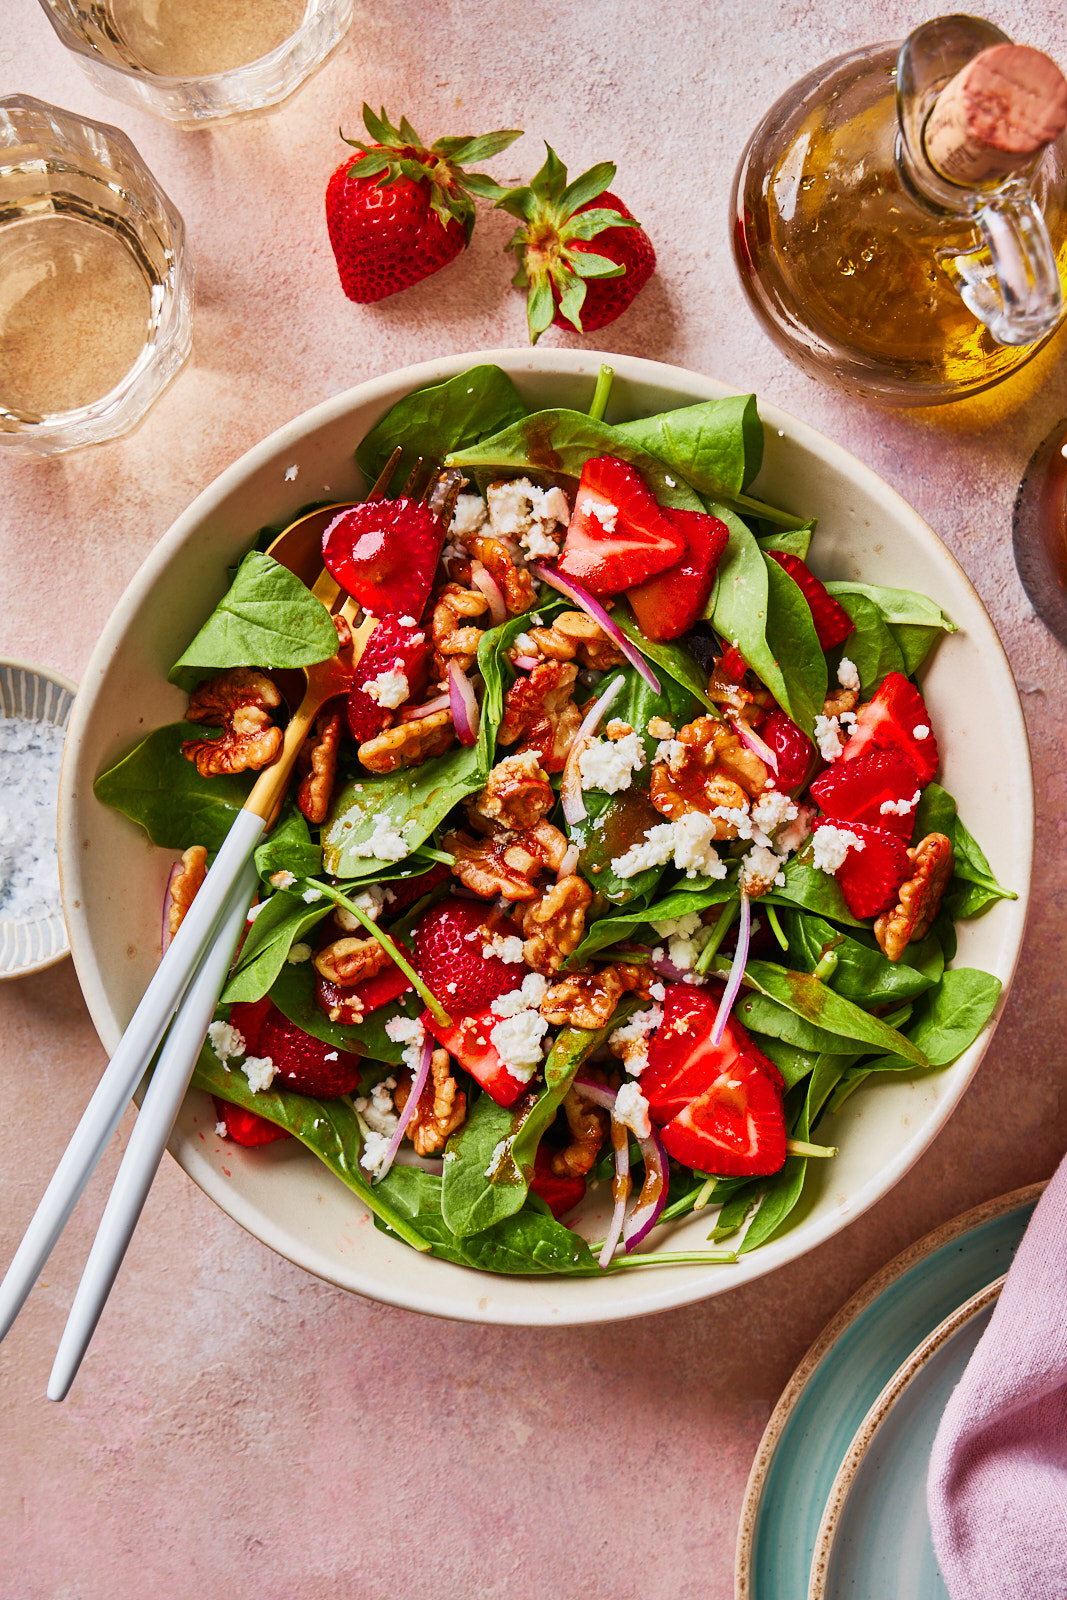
[(113, 878)]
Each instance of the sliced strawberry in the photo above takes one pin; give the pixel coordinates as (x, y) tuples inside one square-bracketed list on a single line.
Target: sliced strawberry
[(449, 942), (870, 874), (350, 1003), (245, 1127), (618, 535), (305, 1064), (559, 1194), (393, 647), (735, 1129), (732, 666), (384, 554), (682, 1061), (890, 721), (248, 1017), (667, 605), (792, 747), (832, 622), (469, 1041), (880, 789)]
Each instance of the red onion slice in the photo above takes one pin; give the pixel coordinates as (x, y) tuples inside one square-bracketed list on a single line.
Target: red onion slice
[(483, 579), (593, 608), (570, 789), (526, 663), (569, 865), (422, 1072), (753, 742), (440, 702), (463, 703), (620, 1138), (653, 1196), (596, 1092), (167, 903), (737, 972)]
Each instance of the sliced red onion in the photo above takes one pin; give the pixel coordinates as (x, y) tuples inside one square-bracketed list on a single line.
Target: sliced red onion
[(483, 579), (653, 1196), (525, 663), (569, 865), (667, 969), (737, 972), (167, 903), (570, 789), (464, 704), (593, 608), (418, 1084), (620, 1138), (440, 702), (753, 742), (598, 1093)]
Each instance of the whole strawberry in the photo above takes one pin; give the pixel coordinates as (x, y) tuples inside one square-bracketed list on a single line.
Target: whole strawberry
[(582, 256), (399, 211)]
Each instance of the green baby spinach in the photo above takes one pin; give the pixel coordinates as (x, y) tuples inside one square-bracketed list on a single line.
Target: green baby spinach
[(812, 890), (898, 606), (678, 670), (716, 445), (792, 541), (621, 926), (156, 787), (813, 1002), (293, 992), (281, 922), (446, 416), (973, 887), (412, 801), (793, 642), (289, 848), (862, 974), (872, 647)]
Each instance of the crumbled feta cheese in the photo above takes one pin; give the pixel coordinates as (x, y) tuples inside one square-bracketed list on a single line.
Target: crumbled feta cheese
[(605, 513), (377, 1109), (760, 868), (370, 902), (832, 846), (848, 675), (506, 947), (221, 1130), (298, 953), (671, 751), (469, 517), (518, 509), (389, 689), (253, 911), (402, 1030), (630, 1042), (384, 844), (659, 728), (899, 808), (283, 879), (792, 835), (260, 1072), (689, 842), (518, 1043), (921, 731), (657, 991), (226, 1040), (828, 737), (772, 809), (311, 895), (525, 645), (408, 622), (610, 764), (686, 937), (685, 925), (669, 481), (527, 998), (631, 1109), (375, 1150)]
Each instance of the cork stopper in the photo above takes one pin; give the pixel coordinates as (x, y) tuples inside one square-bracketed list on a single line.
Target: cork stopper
[(993, 116)]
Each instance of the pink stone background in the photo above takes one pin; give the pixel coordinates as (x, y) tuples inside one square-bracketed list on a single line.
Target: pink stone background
[(240, 1428)]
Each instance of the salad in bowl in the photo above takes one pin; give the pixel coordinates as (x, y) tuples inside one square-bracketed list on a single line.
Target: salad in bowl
[(623, 862)]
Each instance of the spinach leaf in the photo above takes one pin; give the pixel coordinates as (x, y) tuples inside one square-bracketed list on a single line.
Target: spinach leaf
[(674, 660), (446, 416), (863, 974), (898, 606), (281, 923), (762, 1015), (329, 1128), (781, 1193), (872, 647), (289, 848), (267, 618), (471, 1199), (158, 789), (613, 822), (915, 642), (793, 642), (806, 886), (827, 1072), (412, 801), (563, 441), (293, 992), (793, 1063), (497, 673), (611, 930), (951, 1017), (794, 541), (735, 1209), (803, 994), (716, 445), (973, 885)]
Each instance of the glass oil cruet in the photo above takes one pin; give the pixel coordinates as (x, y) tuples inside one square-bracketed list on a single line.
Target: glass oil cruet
[(874, 268)]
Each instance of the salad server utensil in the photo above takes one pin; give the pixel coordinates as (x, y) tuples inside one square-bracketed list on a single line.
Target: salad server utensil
[(165, 991)]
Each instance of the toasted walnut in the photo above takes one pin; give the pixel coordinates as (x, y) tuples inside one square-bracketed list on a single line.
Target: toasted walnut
[(587, 999), (238, 702), (710, 767), (409, 744), (541, 710), (184, 886), (517, 794), (919, 899), (574, 634), (348, 961), (318, 762), (453, 639), (343, 630), (442, 1106), (588, 1126), (507, 863), (839, 702), (514, 582), (554, 925)]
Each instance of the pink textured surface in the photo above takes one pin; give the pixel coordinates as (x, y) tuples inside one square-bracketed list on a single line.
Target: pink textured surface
[(239, 1427)]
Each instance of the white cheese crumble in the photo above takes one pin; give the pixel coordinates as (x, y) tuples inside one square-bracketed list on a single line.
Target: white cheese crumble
[(899, 808), (384, 844), (506, 947), (525, 645), (298, 953), (761, 868), (253, 911), (222, 1130), (518, 509), (848, 675), (630, 1042), (226, 1041), (792, 835), (828, 737), (283, 879), (518, 1043), (669, 750), (772, 809), (375, 1150), (658, 991), (631, 1109), (605, 513), (370, 902), (686, 937), (469, 517), (260, 1072), (920, 731), (409, 1032), (689, 842), (311, 895), (527, 998), (609, 764), (389, 689), (832, 845)]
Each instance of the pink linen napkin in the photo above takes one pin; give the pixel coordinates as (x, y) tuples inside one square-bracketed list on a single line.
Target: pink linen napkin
[(997, 1489)]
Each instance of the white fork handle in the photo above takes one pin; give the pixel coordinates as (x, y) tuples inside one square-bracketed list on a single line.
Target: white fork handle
[(160, 1107), (127, 1067)]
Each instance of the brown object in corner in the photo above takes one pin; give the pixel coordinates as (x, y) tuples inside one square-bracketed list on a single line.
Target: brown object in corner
[(993, 115)]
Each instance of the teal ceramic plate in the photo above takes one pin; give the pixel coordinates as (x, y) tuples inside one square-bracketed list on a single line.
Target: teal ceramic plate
[(841, 1379)]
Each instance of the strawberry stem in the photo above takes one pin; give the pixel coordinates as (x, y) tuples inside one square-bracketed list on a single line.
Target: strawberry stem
[(605, 379), (392, 950)]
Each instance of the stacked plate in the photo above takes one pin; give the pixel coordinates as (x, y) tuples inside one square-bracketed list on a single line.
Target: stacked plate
[(836, 1501)]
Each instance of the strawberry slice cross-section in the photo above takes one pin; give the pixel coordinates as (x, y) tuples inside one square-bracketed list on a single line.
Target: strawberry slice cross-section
[(880, 789), (469, 1041), (896, 718), (618, 534), (870, 864), (736, 1128), (667, 605), (384, 554)]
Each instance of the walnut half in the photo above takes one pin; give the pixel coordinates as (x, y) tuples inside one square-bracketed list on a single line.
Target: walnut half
[(442, 1106), (184, 886), (239, 702), (919, 899), (587, 999)]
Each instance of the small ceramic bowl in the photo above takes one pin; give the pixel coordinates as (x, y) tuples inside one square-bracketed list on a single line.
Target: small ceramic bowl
[(32, 943)]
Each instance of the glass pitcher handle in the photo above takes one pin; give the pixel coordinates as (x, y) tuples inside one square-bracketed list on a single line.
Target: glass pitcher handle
[(1013, 286)]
